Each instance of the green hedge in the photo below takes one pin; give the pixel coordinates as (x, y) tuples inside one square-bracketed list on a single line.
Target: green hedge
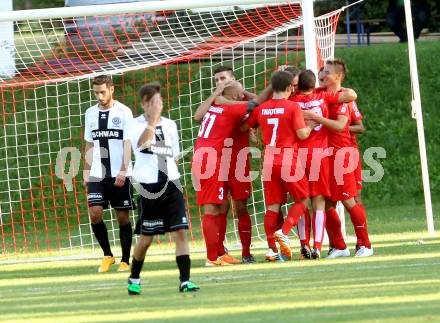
[(380, 74)]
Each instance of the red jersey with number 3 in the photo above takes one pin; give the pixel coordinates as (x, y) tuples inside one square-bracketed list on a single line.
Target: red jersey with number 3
[(317, 102), (218, 124), (278, 120), (356, 116)]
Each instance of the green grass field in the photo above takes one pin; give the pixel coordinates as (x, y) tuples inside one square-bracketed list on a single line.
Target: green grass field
[(401, 283)]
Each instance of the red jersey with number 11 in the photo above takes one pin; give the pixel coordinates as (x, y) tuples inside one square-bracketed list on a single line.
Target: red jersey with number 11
[(218, 124)]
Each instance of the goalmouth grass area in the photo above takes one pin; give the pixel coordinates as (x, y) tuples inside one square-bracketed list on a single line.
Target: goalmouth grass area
[(401, 283)]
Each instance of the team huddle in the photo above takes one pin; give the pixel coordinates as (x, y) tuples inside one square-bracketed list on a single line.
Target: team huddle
[(310, 154)]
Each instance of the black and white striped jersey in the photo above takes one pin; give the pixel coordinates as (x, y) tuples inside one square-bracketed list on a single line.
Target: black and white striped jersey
[(157, 163), (107, 130)]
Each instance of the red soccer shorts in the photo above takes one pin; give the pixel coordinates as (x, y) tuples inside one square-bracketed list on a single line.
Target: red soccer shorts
[(210, 189), (358, 173), (341, 187), (318, 176), (239, 183), (276, 186)]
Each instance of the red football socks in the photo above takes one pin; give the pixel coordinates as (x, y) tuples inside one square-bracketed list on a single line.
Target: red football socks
[(280, 219), (210, 232), (245, 232), (304, 228), (221, 224), (295, 212), (334, 229), (359, 219), (270, 226)]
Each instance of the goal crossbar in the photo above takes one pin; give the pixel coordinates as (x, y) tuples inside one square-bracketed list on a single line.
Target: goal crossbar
[(132, 7)]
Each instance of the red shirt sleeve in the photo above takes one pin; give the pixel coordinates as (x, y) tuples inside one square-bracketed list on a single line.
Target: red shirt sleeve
[(343, 109), (297, 116), (252, 121), (331, 97), (355, 113)]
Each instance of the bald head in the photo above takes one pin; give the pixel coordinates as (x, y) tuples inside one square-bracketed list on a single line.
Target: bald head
[(233, 91)]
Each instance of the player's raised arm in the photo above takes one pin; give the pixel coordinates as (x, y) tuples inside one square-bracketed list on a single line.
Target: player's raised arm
[(223, 75), (344, 95), (347, 95), (203, 108), (301, 128), (268, 91), (336, 125), (249, 95)]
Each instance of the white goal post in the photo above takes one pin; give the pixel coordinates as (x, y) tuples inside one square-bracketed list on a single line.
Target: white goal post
[(416, 106)]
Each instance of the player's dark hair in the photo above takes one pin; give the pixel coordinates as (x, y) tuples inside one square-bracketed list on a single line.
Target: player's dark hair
[(224, 69), (293, 70), (149, 90), (339, 65), (103, 79), (306, 81), (281, 80)]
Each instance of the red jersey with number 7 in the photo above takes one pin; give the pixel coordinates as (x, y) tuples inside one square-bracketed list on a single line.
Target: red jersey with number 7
[(278, 120)]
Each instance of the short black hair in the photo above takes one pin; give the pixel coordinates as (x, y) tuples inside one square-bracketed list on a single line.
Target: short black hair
[(149, 90), (281, 80), (293, 70), (224, 69), (103, 79), (306, 81)]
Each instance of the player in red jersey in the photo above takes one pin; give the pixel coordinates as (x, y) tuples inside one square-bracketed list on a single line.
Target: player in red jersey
[(316, 146), (357, 127), (210, 168), (282, 126), (342, 180), (239, 189), (273, 221)]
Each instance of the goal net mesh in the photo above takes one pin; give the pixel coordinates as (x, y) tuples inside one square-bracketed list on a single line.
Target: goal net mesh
[(43, 202)]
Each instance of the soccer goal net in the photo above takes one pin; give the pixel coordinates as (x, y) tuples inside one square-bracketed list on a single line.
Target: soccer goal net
[(43, 202)]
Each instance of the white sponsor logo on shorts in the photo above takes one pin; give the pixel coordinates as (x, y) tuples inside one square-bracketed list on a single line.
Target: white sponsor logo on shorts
[(94, 196), (126, 202), (184, 219), (153, 223)]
